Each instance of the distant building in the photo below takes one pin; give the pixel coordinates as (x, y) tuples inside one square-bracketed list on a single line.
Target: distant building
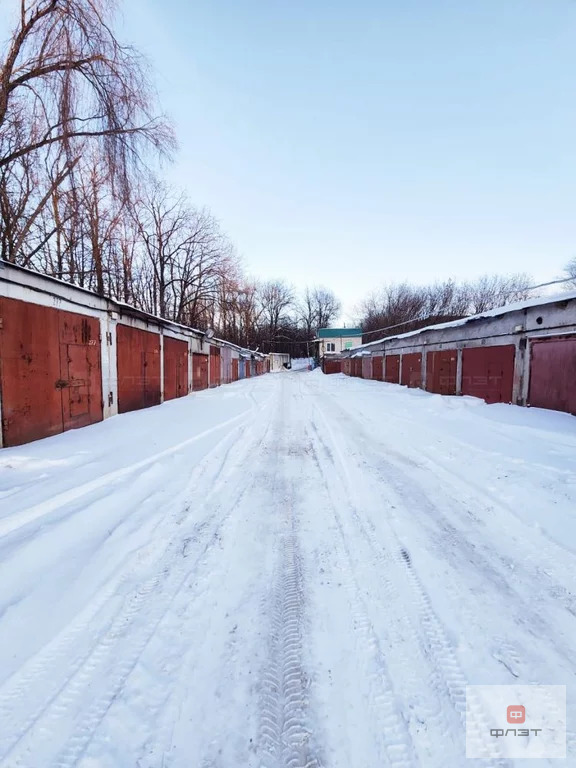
[(333, 341)]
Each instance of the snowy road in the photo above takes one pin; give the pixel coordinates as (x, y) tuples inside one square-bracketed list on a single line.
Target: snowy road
[(292, 571)]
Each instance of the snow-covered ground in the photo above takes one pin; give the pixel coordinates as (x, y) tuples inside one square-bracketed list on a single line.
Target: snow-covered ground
[(295, 570)]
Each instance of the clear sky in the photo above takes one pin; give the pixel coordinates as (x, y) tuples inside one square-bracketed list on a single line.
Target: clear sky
[(353, 143)]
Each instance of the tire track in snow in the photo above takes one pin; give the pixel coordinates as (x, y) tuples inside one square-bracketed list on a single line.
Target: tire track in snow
[(13, 523), (158, 749), (395, 743), (464, 549), (84, 672), (549, 560), (450, 673), (285, 737)]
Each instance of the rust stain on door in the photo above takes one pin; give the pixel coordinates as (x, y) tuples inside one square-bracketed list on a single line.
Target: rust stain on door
[(215, 366), (50, 377), (199, 371), (392, 369), (331, 366), (441, 368), (378, 367), (412, 370), (138, 360), (175, 368)]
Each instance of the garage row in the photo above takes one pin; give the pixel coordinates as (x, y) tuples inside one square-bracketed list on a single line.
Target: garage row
[(70, 358), (524, 354)]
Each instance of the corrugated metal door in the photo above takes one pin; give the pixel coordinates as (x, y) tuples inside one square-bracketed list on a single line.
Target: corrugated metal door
[(199, 371), (235, 374), (175, 368), (80, 370), (138, 360), (214, 366), (441, 370), (247, 369), (392, 369), (378, 367), (366, 367), (553, 374), (50, 371), (488, 373), (412, 370)]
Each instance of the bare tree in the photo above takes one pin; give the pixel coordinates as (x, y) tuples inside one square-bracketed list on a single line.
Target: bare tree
[(491, 291), (570, 270), (400, 308), (276, 298), (318, 308), (64, 76)]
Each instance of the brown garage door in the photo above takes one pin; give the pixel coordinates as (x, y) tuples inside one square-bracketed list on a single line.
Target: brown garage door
[(553, 374), (199, 371), (50, 371), (412, 369), (377, 367), (441, 369), (331, 366), (488, 373), (366, 367), (392, 369), (175, 368), (214, 366), (234, 369), (138, 359)]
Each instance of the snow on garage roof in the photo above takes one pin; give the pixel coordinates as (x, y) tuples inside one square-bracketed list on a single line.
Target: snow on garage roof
[(496, 312)]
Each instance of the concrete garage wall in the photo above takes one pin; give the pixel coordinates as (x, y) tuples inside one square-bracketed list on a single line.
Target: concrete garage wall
[(63, 350), (492, 356)]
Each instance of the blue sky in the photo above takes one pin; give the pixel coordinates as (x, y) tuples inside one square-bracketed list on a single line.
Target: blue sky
[(354, 143)]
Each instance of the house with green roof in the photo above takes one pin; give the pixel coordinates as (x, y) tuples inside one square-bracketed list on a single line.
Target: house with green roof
[(333, 341)]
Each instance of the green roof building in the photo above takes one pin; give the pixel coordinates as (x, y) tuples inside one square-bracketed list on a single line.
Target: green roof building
[(333, 341)]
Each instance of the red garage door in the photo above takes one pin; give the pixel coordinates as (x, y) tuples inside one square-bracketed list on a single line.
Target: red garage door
[(234, 369), (392, 369), (441, 371), (412, 369), (488, 373), (199, 371), (51, 377), (214, 366), (553, 374), (331, 366), (175, 368), (138, 357), (377, 367)]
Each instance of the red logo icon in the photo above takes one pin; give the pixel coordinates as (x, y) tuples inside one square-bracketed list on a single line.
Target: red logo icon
[(516, 714)]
